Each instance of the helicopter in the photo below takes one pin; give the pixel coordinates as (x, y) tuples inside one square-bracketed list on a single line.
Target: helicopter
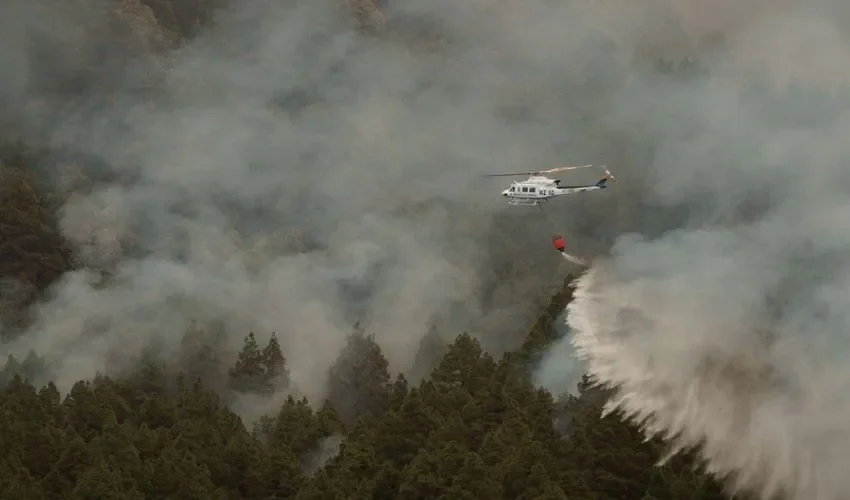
[(539, 189)]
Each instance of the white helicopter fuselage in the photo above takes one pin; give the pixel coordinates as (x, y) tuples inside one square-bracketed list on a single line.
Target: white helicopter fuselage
[(538, 189)]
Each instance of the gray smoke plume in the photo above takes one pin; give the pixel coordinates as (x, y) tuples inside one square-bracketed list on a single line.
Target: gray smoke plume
[(719, 315), (286, 172)]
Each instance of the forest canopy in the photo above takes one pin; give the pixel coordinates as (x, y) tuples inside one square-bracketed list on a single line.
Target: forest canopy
[(440, 402)]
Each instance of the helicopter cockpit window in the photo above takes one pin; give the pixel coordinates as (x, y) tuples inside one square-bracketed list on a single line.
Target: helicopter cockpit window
[(512, 189)]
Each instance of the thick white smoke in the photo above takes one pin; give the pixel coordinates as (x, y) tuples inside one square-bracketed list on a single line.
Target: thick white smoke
[(694, 357), (283, 172), (720, 316), (287, 173)]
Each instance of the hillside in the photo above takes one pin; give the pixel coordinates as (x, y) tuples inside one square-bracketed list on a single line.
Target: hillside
[(475, 427), (246, 250)]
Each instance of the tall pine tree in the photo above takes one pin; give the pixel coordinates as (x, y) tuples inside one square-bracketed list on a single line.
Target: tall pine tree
[(248, 373), (274, 363), (359, 378)]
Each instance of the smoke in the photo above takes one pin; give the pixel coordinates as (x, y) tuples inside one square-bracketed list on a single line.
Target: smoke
[(326, 449), (559, 367), (285, 172), (719, 314)]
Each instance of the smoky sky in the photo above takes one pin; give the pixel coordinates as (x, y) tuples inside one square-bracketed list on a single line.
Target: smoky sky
[(284, 171), (719, 312)]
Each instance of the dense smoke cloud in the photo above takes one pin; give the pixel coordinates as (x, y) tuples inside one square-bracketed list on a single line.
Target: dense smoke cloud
[(720, 314), (285, 172)]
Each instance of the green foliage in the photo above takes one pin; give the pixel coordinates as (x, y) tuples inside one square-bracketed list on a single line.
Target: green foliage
[(359, 378), (259, 371), (275, 364), (462, 425), (33, 368), (475, 428), (199, 355), (431, 349), (544, 329), (33, 254)]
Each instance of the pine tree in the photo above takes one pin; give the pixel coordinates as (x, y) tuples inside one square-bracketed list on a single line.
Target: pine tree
[(274, 363), (329, 420), (473, 481), (359, 378), (199, 356), (34, 367), (34, 252), (259, 371), (10, 369), (283, 477), (295, 427), (248, 374), (103, 481), (17, 482), (464, 365), (431, 349)]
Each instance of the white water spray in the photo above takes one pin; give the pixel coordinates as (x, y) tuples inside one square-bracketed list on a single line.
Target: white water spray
[(573, 259), (768, 411)]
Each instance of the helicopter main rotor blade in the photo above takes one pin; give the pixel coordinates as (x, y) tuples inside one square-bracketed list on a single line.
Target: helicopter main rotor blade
[(563, 169), (550, 171)]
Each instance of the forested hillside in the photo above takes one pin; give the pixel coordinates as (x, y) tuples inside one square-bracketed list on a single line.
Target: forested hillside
[(475, 427), (178, 411)]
